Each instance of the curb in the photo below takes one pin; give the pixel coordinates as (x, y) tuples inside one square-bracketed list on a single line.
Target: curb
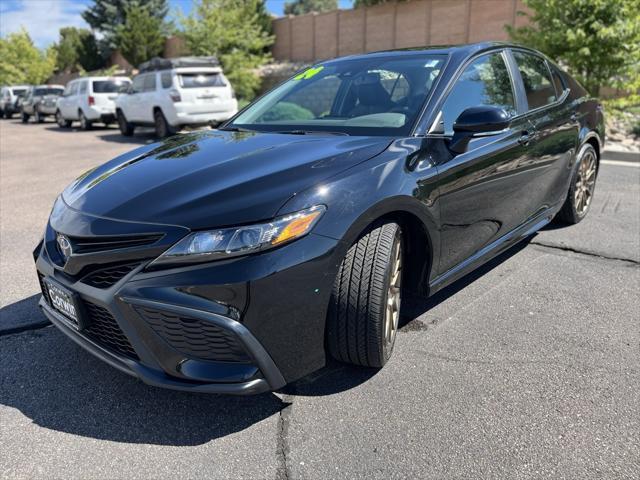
[(620, 155)]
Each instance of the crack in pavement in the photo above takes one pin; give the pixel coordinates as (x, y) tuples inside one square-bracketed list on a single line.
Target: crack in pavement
[(565, 248), (282, 447)]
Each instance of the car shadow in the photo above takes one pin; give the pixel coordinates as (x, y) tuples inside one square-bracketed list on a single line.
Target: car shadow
[(59, 386), (22, 315)]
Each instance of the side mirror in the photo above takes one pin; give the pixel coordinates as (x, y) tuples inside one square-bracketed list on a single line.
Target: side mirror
[(477, 122)]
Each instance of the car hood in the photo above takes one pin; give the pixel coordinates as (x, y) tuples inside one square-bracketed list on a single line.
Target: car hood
[(215, 178)]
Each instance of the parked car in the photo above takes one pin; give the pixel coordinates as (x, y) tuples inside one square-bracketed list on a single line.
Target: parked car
[(171, 93), (236, 260), (40, 102), (89, 100), (9, 97)]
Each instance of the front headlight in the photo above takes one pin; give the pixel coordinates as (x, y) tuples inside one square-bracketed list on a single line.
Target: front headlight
[(233, 242)]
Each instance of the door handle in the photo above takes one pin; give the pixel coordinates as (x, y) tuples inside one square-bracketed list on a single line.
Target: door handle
[(526, 137)]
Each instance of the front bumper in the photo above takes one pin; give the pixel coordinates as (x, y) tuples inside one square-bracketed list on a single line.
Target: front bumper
[(243, 326)]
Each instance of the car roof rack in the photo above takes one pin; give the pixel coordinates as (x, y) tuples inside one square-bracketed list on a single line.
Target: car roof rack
[(158, 63)]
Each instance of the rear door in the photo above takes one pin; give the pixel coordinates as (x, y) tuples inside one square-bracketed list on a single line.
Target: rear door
[(553, 146), (148, 98), (483, 191), (204, 91)]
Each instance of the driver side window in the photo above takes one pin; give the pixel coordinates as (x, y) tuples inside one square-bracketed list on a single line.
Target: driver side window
[(485, 82)]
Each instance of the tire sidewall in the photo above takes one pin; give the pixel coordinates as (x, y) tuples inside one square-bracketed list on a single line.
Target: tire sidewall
[(571, 195), (387, 349)]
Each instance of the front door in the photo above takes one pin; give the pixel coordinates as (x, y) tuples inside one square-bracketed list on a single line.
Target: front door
[(483, 191)]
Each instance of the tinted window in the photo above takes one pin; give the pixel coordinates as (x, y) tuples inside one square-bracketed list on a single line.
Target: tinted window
[(138, 83), (558, 82), (47, 91), (83, 87), (19, 92), (149, 83), (485, 81), (198, 80), (362, 96), (108, 86), (166, 80), (536, 78)]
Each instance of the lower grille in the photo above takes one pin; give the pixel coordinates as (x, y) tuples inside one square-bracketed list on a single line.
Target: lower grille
[(107, 277), (104, 330), (196, 338), (43, 287)]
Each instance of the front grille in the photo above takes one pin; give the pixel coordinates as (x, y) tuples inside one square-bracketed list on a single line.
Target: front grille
[(104, 330), (107, 277), (103, 243), (196, 338)]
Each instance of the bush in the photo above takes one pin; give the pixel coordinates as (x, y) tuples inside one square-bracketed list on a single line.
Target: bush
[(286, 111)]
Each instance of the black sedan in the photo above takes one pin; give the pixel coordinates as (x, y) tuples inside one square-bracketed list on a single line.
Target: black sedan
[(236, 260)]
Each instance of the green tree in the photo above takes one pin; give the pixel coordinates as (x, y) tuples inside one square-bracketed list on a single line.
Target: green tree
[(141, 36), (22, 62), (300, 7), (77, 50), (232, 30), (106, 16), (598, 40)]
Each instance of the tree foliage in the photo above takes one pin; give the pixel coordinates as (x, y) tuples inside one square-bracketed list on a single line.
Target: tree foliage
[(77, 50), (300, 7), (22, 63), (598, 40), (141, 36), (107, 16), (234, 31)]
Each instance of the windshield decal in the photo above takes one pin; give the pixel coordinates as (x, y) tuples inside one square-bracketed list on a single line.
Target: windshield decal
[(310, 72)]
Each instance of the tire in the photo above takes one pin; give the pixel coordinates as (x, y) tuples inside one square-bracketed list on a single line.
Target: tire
[(62, 123), (163, 129), (364, 308), (84, 123), (582, 187), (38, 116), (126, 128), (24, 117), (1, 114)]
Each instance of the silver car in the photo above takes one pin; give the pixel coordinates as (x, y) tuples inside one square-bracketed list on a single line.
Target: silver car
[(40, 102)]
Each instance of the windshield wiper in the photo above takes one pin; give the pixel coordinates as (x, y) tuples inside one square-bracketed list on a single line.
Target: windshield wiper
[(311, 132)]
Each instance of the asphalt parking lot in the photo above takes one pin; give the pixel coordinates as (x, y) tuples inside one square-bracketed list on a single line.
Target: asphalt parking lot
[(529, 368)]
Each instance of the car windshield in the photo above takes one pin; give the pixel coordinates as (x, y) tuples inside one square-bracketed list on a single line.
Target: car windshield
[(108, 86), (40, 92), (19, 92), (200, 80), (364, 96)]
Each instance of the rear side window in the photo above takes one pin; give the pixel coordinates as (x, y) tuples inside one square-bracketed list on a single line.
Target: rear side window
[(485, 82), (107, 86), (83, 87), (536, 78), (166, 80), (558, 82), (201, 80), (149, 84)]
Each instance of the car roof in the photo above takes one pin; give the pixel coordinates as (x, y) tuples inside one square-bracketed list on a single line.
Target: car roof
[(462, 50), (105, 77), (49, 85)]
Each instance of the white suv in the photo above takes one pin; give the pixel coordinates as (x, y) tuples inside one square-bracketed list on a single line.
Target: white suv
[(89, 100), (172, 93)]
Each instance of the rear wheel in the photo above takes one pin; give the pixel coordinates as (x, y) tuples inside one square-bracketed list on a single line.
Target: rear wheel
[(365, 302), (125, 127), (582, 187), (62, 123), (163, 129), (84, 123)]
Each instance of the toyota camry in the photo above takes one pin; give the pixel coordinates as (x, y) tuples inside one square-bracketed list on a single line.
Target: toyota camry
[(238, 260)]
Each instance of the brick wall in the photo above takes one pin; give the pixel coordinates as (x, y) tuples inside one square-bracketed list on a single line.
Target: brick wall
[(412, 23)]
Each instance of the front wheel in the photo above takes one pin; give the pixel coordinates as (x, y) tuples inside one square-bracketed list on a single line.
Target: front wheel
[(583, 184), (365, 302), (25, 117), (62, 123), (125, 127), (38, 116)]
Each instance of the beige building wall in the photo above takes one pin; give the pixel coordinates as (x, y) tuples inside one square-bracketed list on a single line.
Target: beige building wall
[(412, 23)]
